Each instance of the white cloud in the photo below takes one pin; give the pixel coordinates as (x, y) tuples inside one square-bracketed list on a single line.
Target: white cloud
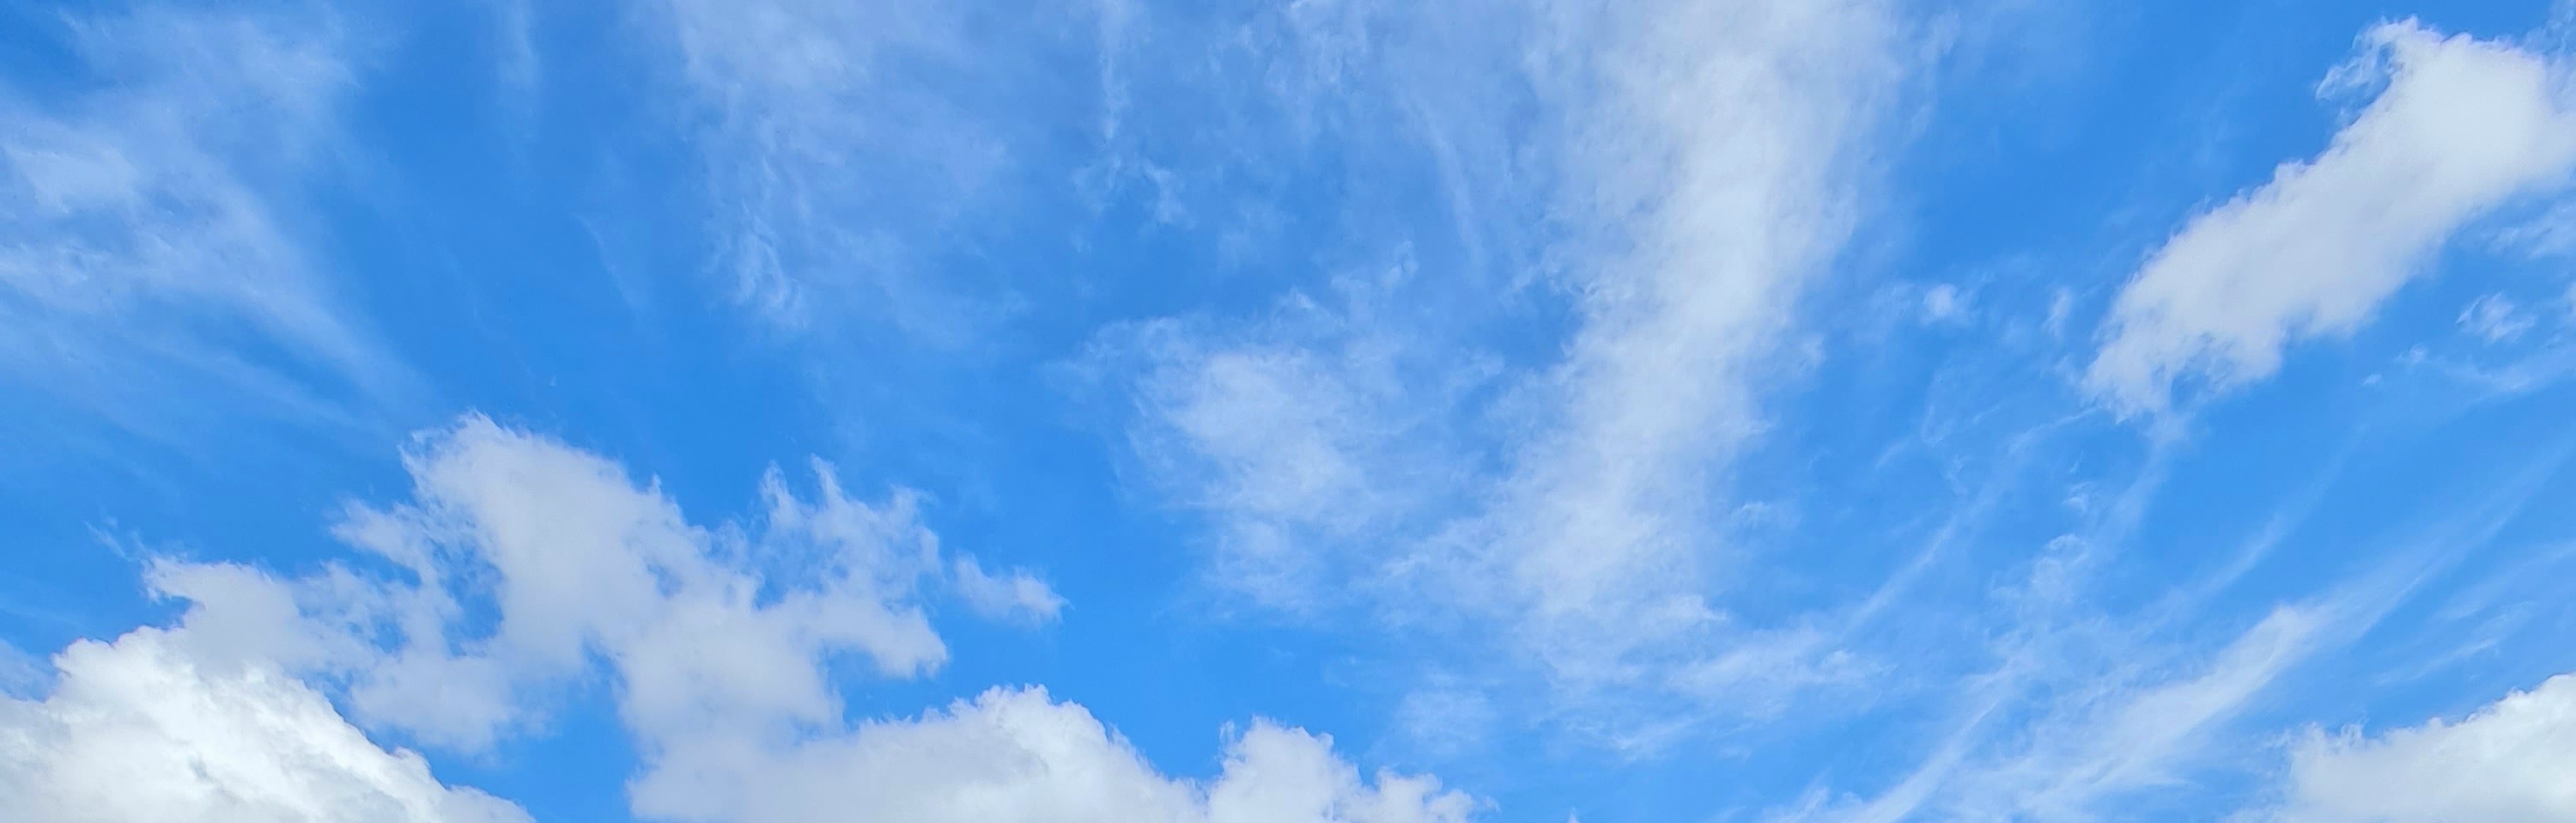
[(796, 90), (719, 642), (1013, 595), (2096, 737), (1704, 164), (1016, 755), (2143, 737), (1314, 438), (21, 674), (1943, 303), (2461, 126), (146, 221), (2550, 234), (2495, 319), (705, 627), (144, 730), (2086, 711), (1446, 720), (1719, 168), (241, 616), (849, 146), (2508, 763)]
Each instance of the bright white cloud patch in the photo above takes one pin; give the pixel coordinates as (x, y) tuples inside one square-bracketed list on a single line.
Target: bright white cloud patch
[(705, 627), (1016, 755), (718, 639), (2461, 126), (2511, 762), (144, 730)]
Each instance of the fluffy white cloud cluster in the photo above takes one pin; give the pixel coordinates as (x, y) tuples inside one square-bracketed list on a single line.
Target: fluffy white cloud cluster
[(2461, 126), (1016, 755), (717, 639), (149, 729), (2511, 762)]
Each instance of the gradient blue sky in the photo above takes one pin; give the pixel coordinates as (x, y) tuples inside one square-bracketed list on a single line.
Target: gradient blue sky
[(1233, 412)]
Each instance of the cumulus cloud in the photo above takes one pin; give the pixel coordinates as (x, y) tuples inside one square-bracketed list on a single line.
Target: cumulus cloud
[(2507, 763), (706, 628), (145, 729), (1017, 755), (720, 642), (2459, 126)]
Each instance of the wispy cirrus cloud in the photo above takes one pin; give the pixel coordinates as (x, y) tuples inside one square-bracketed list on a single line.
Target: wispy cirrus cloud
[(1701, 164), (1708, 226), (854, 155), (150, 205), (2089, 706)]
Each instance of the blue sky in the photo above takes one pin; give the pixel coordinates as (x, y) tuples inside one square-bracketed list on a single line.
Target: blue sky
[(1498, 410)]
